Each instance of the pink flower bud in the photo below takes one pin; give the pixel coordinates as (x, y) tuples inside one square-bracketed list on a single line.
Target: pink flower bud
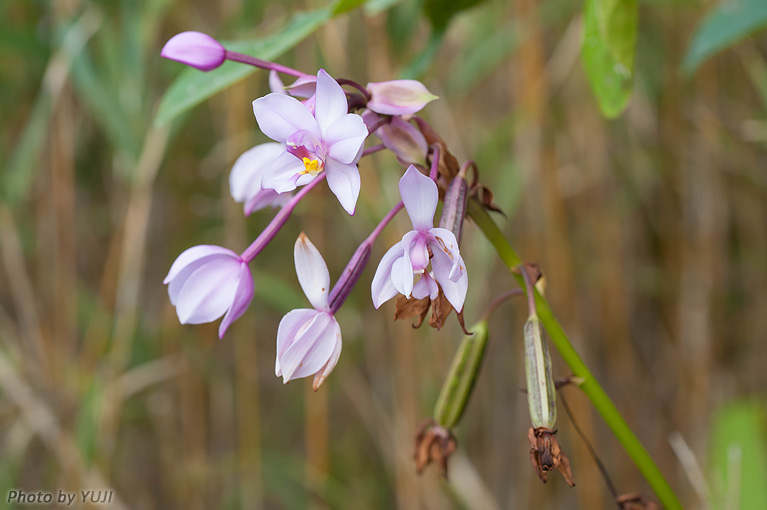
[(195, 49), (398, 97), (404, 140)]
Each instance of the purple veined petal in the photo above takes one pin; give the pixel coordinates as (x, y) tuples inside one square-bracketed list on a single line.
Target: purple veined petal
[(245, 177), (398, 97), (345, 137), (242, 298), (311, 350), (323, 374), (195, 49), (193, 254), (404, 140), (344, 182), (312, 272), (208, 292), (426, 286), (304, 86), (266, 198), (275, 83), (291, 326), (455, 292), (279, 116), (283, 173), (444, 240), (420, 196), (329, 102), (382, 289)]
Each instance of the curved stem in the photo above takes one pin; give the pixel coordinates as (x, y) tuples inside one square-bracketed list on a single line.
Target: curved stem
[(262, 64), (590, 386)]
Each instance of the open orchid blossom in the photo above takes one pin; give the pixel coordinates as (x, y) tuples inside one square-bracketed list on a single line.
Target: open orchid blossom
[(195, 49), (309, 340), (245, 178), (206, 282), (398, 97), (326, 138), (420, 247)]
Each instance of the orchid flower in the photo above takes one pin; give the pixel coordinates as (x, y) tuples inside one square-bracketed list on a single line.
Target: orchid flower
[(326, 139), (422, 246), (206, 282), (246, 175), (309, 340), (195, 49)]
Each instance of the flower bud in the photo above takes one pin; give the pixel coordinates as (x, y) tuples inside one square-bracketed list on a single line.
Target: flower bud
[(454, 210), (461, 378), (541, 393), (404, 140), (195, 49), (398, 97)]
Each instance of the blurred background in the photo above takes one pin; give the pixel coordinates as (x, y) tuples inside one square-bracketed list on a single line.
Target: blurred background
[(651, 230)]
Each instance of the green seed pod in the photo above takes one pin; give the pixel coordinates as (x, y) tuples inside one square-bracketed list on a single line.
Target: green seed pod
[(541, 392), (461, 378)]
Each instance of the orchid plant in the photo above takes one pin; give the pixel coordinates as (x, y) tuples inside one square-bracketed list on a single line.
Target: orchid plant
[(319, 126)]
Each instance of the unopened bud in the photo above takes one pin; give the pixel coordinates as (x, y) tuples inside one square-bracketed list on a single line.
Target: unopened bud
[(404, 140), (454, 210), (461, 378), (398, 97), (541, 393), (195, 49)]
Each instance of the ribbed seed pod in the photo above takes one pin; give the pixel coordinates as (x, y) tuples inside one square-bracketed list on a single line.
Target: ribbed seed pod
[(461, 378), (541, 392), (454, 210)]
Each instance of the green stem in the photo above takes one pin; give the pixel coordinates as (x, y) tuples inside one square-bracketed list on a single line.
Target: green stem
[(590, 386)]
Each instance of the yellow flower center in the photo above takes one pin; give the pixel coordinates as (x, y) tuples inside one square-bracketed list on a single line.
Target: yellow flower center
[(312, 166)]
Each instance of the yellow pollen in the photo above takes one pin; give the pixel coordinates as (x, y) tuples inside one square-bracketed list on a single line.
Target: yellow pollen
[(312, 166)]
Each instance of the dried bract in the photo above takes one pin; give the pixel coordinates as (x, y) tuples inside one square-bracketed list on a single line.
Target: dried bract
[(546, 455)]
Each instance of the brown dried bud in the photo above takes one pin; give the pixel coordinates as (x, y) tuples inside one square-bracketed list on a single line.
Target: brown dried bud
[(433, 444), (440, 310), (546, 455), (635, 502)]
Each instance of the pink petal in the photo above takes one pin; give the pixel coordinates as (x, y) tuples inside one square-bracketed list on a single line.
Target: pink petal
[(345, 137), (291, 325), (444, 240), (282, 173), (344, 182), (382, 289), (398, 97), (323, 374), (208, 292), (402, 269), (266, 198), (329, 102), (275, 83), (312, 272), (242, 298), (195, 49), (420, 196), (195, 253), (404, 140), (304, 86), (426, 286), (311, 349), (279, 116), (245, 178), (455, 292)]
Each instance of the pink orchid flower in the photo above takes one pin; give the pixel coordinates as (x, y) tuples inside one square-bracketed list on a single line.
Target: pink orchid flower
[(326, 139), (246, 175), (195, 49), (206, 282), (309, 340), (420, 247)]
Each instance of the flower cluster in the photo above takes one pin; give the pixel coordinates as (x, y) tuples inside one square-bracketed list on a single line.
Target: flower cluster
[(319, 131)]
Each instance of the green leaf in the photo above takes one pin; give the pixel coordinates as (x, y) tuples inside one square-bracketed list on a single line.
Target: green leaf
[(738, 459), (440, 12), (607, 53), (193, 87), (373, 7), (726, 24), (342, 6)]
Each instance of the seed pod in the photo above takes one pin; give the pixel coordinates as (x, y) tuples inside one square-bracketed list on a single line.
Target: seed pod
[(461, 378), (541, 393), (454, 210)]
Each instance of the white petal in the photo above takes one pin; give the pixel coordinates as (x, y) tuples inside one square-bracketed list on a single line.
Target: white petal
[(245, 178), (323, 374), (344, 182), (382, 289), (345, 137), (330, 101), (279, 116), (282, 173), (312, 272), (291, 326), (420, 196), (455, 292), (311, 350)]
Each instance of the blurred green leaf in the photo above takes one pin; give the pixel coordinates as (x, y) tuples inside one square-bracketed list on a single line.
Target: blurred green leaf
[(738, 461), (342, 6), (726, 24), (609, 43), (373, 7), (440, 12), (193, 87)]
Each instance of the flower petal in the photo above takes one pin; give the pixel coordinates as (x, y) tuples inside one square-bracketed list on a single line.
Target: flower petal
[(398, 97), (420, 196), (311, 349), (242, 298), (291, 325), (279, 116), (323, 374), (455, 292), (402, 275), (208, 292), (193, 254), (312, 272), (245, 177), (329, 101), (444, 240), (282, 173), (426, 286), (345, 137), (344, 182), (275, 83), (382, 289), (195, 49), (304, 86)]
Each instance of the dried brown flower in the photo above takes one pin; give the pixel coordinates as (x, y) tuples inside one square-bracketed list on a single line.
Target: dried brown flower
[(433, 444), (546, 455)]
